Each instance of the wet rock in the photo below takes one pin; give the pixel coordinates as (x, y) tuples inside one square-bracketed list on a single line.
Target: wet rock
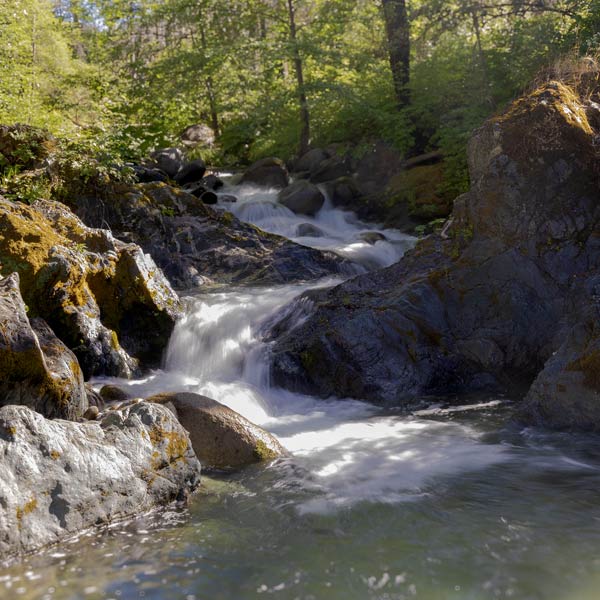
[(212, 182), (59, 478), (105, 299), (191, 242), (372, 237), (221, 437), (37, 369), (268, 172), (209, 198), (227, 198), (488, 302), (191, 172), (308, 230), (302, 198), (169, 160), (94, 398)]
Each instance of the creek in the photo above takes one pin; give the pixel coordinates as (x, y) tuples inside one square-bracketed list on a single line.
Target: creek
[(451, 502)]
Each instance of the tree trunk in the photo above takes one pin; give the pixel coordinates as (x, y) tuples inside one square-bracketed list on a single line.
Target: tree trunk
[(398, 35), (298, 67), (210, 88)]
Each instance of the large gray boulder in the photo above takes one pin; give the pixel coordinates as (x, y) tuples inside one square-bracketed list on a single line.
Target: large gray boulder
[(302, 198), (59, 478), (221, 437), (268, 172), (505, 292), (329, 170), (36, 368)]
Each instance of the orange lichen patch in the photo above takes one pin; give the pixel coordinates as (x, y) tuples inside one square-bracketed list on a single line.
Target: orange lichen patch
[(176, 443), (55, 454), (26, 509)]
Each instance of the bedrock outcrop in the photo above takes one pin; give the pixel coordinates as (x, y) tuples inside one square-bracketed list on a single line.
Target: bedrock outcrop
[(506, 295), (193, 243), (59, 478), (105, 299)]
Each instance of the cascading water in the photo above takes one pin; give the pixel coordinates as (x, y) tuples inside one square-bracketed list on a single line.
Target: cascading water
[(444, 504)]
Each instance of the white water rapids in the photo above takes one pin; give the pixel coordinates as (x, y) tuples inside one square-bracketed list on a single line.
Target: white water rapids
[(347, 451)]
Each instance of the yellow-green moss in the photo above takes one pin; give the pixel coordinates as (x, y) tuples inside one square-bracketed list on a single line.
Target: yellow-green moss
[(24, 510), (263, 452)]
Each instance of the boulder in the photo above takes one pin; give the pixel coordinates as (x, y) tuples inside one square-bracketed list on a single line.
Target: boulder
[(191, 172), (105, 299), (148, 174), (329, 170), (311, 160), (221, 438), (488, 302), (268, 172), (37, 369), (198, 135), (169, 160), (343, 192), (59, 478), (302, 198), (113, 393), (191, 242)]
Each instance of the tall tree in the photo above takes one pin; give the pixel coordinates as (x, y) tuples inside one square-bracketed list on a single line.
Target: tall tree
[(301, 90), (397, 28)]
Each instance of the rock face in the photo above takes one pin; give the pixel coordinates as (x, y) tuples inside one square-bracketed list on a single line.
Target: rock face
[(270, 172), (105, 299), (487, 302), (37, 369), (191, 242), (221, 437), (59, 478), (302, 198)]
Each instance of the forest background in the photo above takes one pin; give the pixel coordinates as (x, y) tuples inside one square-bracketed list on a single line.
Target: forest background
[(274, 77)]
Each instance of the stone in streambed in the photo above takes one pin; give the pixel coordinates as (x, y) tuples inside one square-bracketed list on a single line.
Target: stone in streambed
[(221, 437), (302, 198), (269, 172), (59, 478), (168, 160), (191, 172), (113, 393)]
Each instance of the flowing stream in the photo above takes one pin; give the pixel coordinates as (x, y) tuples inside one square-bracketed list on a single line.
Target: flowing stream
[(448, 503)]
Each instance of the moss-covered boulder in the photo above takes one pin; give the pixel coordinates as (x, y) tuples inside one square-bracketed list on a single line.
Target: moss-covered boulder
[(105, 299), (221, 437), (36, 368)]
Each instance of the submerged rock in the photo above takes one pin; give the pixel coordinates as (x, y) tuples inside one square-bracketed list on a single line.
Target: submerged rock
[(58, 478), (221, 437), (105, 299), (191, 242), (36, 369), (487, 302)]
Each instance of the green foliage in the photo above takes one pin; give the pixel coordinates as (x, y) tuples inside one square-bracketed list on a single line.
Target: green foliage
[(123, 78)]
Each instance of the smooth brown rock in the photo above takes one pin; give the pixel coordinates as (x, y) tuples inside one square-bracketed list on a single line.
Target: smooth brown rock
[(221, 438)]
